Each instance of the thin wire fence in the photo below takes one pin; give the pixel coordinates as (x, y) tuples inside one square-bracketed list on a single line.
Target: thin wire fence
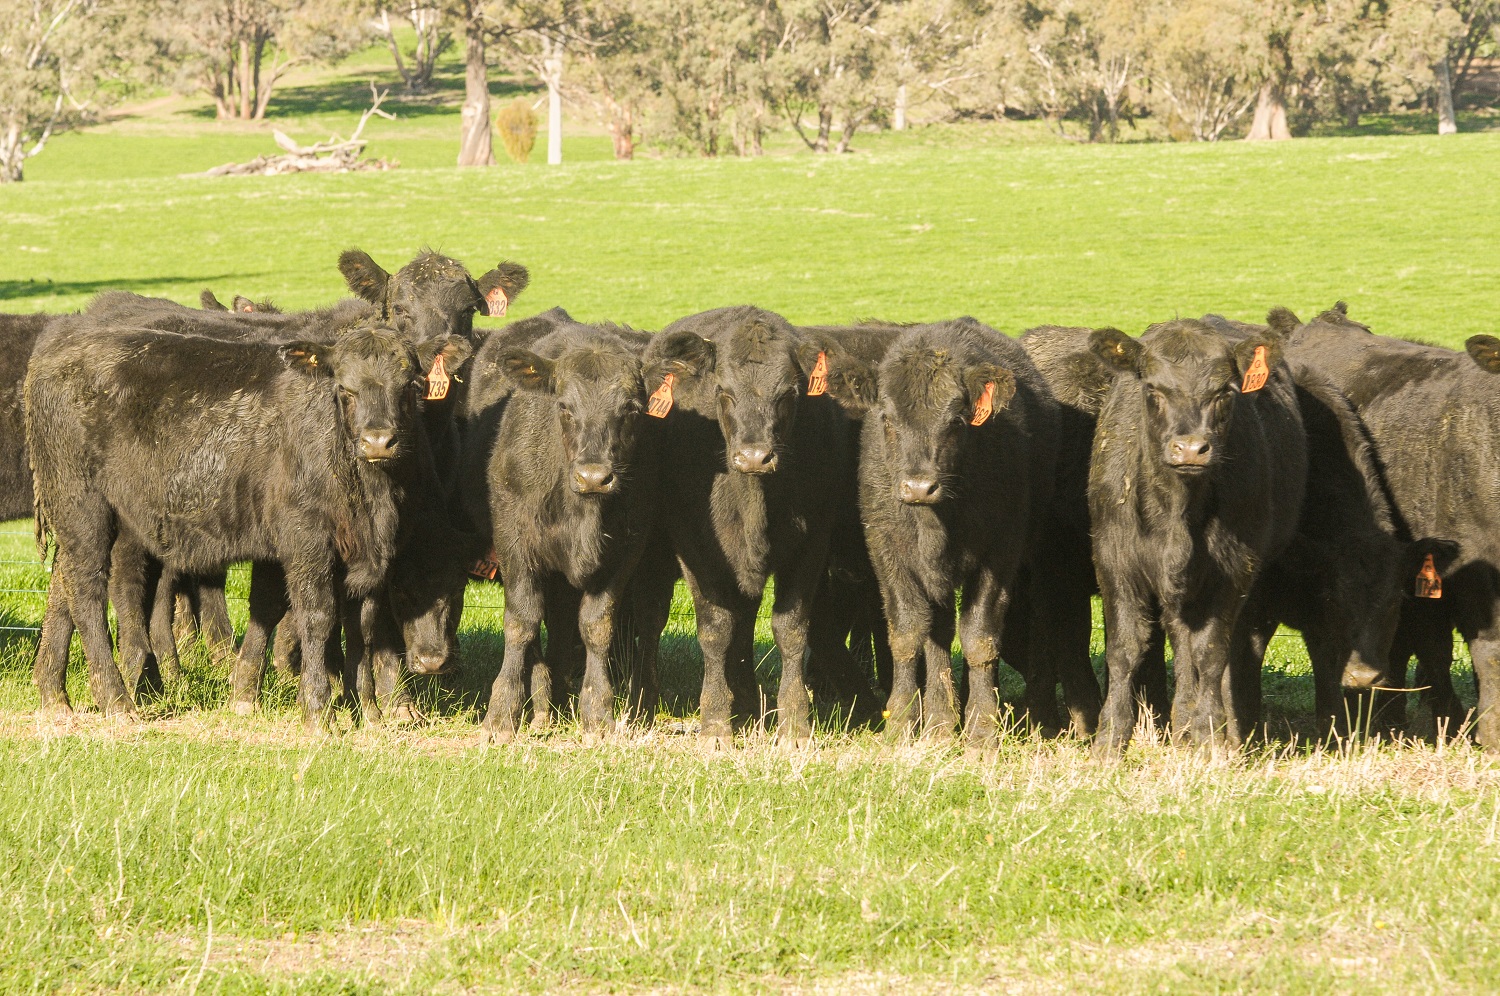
[(240, 573)]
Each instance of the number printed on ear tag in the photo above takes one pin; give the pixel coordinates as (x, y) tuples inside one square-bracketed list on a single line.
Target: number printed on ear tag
[(437, 379), (985, 406), (497, 302), (1258, 374), (817, 382), (661, 399)]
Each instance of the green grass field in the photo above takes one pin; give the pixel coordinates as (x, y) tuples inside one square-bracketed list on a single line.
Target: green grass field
[(205, 853)]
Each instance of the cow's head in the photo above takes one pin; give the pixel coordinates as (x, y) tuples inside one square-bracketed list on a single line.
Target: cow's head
[(597, 395), (426, 589), (433, 295), (378, 379), (1189, 379), (931, 396), (748, 377)]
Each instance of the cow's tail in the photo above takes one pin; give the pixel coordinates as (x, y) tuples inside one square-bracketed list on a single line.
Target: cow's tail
[(43, 529)]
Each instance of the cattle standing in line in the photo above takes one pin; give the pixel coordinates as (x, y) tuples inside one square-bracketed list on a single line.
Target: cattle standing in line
[(208, 452), (561, 472), (1195, 482), (956, 468), (1431, 413), (751, 472)]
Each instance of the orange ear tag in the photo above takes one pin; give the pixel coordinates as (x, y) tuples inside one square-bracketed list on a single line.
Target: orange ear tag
[(985, 406), (1429, 585), (661, 399), (487, 567), (437, 380), (817, 381), (497, 302), (1258, 374)]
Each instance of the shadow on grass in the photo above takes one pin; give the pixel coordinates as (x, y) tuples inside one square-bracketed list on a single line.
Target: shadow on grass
[(13, 289), (350, 94)]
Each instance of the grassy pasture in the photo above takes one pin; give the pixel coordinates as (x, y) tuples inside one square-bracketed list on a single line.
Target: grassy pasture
[(208, 853)]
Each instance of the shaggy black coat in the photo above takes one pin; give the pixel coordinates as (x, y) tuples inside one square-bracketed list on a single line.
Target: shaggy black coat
[(205, 453), (18, 334), (752, 472), (949, 505), (561, 472), (1342, 579), (1193, 486), (1431, 414), (1051, 627)]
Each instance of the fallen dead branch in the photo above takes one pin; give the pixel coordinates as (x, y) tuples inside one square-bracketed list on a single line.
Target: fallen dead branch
[(337, 155)]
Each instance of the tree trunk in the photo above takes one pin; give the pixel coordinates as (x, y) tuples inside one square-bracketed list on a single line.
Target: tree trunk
[(475, 148), (622, 132), (1269, 123), (825, 125), (246, 87), (851, 125), (898, 118), (1447, 120), (12, 155), (552, 65)]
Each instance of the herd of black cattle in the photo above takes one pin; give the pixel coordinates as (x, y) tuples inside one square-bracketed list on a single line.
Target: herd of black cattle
[(1211, 479)]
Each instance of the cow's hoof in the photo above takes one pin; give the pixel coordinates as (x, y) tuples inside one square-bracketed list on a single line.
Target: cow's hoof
[(496, 735), (793, 742), (242, 707), (404, 714), (716, 737), (121, 714)]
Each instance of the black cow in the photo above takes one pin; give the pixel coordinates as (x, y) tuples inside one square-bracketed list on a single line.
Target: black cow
[(18, 335), (1342, 579), (562, 473), (431, 297), (751, 477), (208, 452), (1196, 480), (1051, 628), (1431, 413), (956, 468)]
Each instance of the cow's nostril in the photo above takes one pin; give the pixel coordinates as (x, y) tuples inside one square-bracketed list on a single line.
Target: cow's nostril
[(377, 444), (920, 491), (593, 479), (754, 460), (429, 663), (1189, 451)]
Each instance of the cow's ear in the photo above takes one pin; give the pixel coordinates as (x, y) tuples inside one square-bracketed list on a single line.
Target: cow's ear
[(244, 305), (209, 302), (850, 381), (309, 358), (686, 355), (1282, 321), (454, 349), (1244, 352), (983, 398), (499, 287), (364, 276), (527, 370), (1485, 349), (1119, 352)]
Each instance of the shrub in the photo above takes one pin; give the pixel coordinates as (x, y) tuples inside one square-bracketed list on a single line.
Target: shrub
[(516, 124)]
